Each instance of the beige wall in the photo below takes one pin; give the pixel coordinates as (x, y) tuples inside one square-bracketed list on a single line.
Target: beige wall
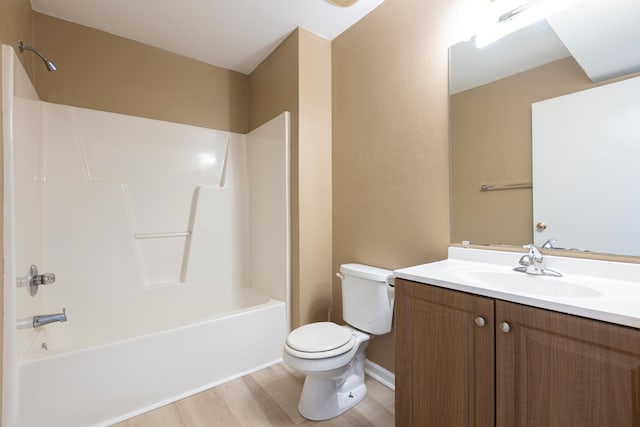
[(102, 71), (15, 25), (491, 134), (390, 142), (273, 85), (296, 77), (314, 177)]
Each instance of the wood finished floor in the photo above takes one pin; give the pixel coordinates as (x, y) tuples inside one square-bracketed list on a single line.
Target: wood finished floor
[(265, 398)]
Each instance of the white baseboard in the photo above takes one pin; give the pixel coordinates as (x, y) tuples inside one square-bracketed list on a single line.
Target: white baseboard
[(385, 377)]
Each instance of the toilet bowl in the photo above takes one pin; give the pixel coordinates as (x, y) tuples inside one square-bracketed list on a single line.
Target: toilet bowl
[(334, 379), (332, 356)]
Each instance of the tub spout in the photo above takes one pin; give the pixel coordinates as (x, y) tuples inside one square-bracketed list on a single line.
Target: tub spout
[(45, 319)]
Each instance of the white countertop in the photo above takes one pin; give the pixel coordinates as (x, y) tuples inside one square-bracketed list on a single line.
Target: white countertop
[(602, 290)]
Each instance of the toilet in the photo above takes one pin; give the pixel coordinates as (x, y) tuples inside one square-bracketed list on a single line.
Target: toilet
[(332, 356)]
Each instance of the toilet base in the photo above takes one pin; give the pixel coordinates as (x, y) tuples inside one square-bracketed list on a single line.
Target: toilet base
[(332, 385), (319, 400)]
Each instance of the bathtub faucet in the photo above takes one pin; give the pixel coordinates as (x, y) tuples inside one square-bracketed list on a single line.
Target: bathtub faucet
[(45, 319)]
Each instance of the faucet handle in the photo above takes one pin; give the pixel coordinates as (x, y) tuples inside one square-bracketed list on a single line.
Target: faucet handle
[(525, 260), (534, 252)]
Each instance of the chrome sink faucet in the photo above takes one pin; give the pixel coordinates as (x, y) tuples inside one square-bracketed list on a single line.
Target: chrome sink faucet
[(531, 263)]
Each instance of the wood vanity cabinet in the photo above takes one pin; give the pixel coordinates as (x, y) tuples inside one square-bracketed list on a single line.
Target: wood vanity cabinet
[(444, 360), (521, 366), (554, 369)]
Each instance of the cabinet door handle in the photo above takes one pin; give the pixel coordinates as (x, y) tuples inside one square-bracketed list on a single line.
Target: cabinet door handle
[(505, 327), (480, 321)]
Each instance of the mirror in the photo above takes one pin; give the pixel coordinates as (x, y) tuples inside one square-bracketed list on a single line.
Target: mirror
[(592, 44)]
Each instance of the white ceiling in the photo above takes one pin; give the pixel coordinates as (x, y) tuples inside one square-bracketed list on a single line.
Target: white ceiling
[(233, 34)]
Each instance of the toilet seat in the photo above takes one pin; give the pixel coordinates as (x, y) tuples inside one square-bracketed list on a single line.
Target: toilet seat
[(319, 340)]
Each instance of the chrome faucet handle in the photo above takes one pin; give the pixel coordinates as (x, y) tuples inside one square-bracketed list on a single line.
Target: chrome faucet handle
[(531, 263), (549, 244), (525, 260), (534, 253)]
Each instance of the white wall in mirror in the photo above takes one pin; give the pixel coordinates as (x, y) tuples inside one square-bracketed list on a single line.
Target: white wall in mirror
[(596, 131)]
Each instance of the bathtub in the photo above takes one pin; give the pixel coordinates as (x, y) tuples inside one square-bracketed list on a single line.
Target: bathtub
[(171, 250), (105, 384)]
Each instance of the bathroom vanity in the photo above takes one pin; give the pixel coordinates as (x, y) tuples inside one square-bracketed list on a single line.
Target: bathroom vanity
[(478, 344)]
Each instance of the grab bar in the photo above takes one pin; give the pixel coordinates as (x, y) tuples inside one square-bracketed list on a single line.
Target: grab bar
[(497, 187), (139, 236)]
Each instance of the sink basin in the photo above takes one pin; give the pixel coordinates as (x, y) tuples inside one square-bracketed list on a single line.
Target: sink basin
[(521, 283)]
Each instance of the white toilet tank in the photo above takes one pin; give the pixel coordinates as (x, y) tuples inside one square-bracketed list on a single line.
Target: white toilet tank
[(367, 298)]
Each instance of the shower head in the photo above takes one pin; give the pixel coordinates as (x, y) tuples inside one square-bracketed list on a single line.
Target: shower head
[(50, 65), (47, 62)]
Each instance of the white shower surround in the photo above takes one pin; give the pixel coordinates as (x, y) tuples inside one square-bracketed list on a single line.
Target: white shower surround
[(171, 248)]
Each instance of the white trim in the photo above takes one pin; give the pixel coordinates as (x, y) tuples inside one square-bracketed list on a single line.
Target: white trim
[(383, 376), (287, 148), (9, 358)]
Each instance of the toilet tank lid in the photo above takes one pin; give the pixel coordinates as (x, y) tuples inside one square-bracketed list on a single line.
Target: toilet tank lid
[(365, 272)]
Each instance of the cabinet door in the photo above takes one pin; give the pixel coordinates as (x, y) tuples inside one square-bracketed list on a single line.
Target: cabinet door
[(444, 359), (557, 370)]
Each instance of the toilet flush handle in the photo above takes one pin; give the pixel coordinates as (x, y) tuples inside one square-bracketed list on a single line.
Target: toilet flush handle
[(340, 275), (391, 289)]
